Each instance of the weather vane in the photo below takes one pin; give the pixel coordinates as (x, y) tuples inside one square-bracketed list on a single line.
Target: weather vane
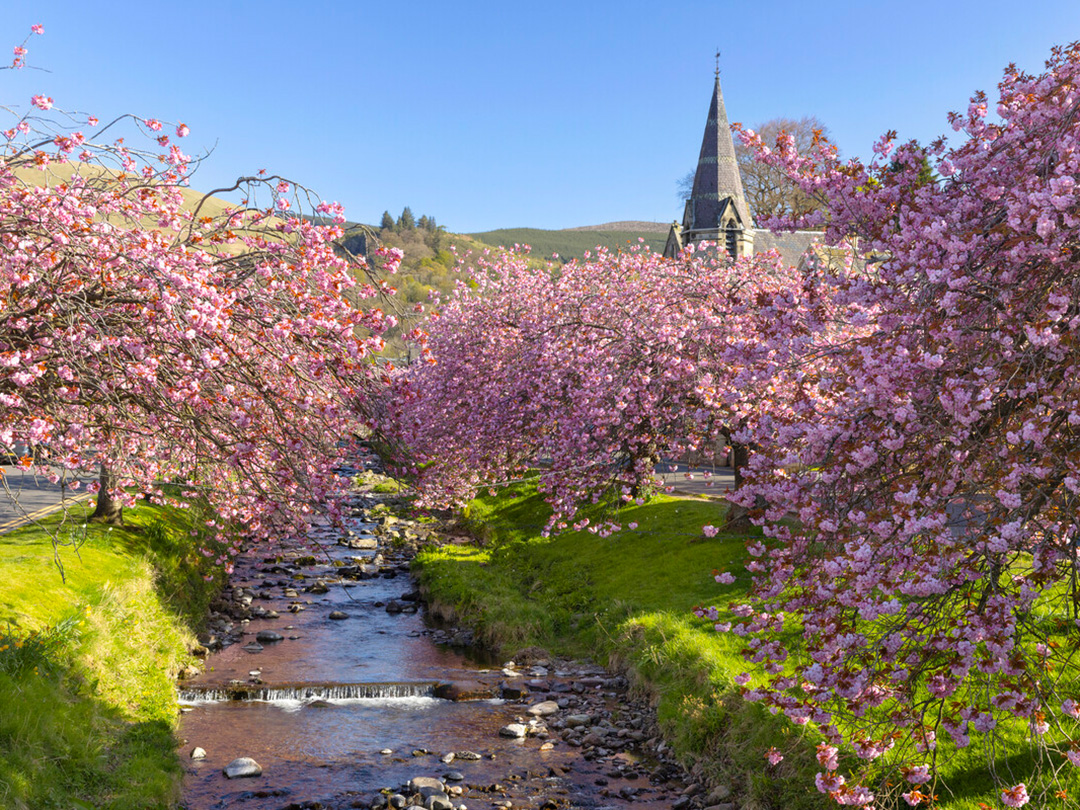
[(717, 61)]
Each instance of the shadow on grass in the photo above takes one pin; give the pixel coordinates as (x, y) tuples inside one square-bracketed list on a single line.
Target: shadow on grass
[(89, 722), (61, 747)]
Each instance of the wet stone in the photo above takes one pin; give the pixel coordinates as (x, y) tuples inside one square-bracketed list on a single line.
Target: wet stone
[(418, 784), (242, 767), (543, 709), (512, 692), (268, 636), (338, 615)]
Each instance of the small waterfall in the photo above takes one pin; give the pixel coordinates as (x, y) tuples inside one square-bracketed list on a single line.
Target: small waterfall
[(306, 691)]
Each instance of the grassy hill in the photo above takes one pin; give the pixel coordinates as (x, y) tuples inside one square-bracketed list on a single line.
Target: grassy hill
[(572, 244)]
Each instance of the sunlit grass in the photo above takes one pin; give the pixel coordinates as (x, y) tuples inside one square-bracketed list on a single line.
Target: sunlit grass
[(87, 703), (627, 600)]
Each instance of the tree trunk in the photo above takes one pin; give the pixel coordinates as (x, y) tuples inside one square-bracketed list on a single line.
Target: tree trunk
[(109, 510), (739, 516)]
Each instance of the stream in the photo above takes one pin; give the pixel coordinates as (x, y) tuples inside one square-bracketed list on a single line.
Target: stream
[(362, 698)]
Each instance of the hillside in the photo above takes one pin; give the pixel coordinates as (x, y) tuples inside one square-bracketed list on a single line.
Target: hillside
[(571, 244), (636, 225)]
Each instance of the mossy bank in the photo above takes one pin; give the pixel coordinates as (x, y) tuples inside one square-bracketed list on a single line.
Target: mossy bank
[(87, 702)]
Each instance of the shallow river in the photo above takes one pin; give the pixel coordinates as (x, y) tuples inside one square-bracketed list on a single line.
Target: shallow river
[(345, 708)]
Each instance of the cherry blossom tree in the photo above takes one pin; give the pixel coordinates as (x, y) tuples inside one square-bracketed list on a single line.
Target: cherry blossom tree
[(167, 338), (932, 570), (598, 369)]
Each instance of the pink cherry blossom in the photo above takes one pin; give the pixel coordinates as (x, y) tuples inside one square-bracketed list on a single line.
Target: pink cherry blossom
[(1016, 796)]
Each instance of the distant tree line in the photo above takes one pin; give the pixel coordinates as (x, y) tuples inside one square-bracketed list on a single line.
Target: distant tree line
[(407, 222)]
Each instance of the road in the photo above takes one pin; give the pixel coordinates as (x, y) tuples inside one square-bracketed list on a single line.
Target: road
[(25, 496), (707, 481)]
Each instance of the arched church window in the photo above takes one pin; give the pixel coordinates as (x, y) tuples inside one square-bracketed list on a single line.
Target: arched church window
[(731, 238)]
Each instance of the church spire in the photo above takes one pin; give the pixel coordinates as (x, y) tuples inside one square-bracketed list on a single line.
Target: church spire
[(717, 183)]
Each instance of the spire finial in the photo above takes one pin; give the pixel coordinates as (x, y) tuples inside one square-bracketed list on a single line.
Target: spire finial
[(718, 62)]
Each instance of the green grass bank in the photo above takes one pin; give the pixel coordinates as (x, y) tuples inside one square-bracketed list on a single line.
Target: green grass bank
[(626, 601), (87, 703)]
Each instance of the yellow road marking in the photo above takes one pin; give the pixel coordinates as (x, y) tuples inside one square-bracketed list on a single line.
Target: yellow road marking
[(45, 510)]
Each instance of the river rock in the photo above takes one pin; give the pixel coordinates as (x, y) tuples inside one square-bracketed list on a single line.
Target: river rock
[(253, 647), (509, 691), (419, 784), (393, 606), (241, 767), (514, 730), (464, 690), (544, 709), (575, 720), (453, 776), (439, 801), (468, 756), (338, 615), (718, 794), (269, 636), (360, 543), (198, 753), (398, 801)]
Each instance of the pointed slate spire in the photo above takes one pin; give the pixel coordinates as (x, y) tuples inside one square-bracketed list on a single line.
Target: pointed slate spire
[(717, 178)]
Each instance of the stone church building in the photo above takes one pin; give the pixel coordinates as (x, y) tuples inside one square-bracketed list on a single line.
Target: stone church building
[(717, 209)]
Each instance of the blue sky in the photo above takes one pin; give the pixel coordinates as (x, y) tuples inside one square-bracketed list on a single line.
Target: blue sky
[(507, 114)]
